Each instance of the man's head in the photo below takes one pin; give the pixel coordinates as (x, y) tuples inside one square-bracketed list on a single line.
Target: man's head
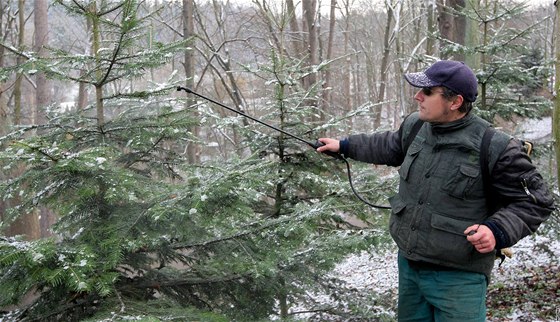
[(455, 85)]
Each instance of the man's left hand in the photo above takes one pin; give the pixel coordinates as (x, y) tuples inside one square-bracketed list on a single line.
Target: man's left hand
[(481, 237)]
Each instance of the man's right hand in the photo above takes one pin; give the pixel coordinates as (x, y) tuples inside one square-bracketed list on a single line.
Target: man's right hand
[(329, 145)]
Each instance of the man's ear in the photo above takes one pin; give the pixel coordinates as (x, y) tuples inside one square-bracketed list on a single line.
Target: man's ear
[(457, 102)]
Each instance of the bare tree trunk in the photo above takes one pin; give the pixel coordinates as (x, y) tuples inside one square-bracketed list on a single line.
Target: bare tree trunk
[(483, 62), (43, 93), (451, 24), (83, 87), (556, 121), (26, 225), (432, 25), (348, 64), (193, 150), (296, 37), (472, 36), (384, 64), (43, 215), (4, 120), (327, 97), (19, 60), (96, 45), (309, 12)]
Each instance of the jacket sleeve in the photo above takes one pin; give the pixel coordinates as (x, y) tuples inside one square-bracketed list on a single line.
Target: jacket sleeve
[(524, 198), (378, 148)]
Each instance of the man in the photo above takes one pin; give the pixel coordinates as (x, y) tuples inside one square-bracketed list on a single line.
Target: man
[(445, 224)]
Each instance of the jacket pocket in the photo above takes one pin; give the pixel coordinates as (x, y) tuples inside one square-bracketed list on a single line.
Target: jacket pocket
[(461, 183), (536, 189), (411, 156), (397, 220), (447, 241)]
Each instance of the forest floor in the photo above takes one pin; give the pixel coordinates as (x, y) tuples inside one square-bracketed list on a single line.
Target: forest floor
[(525, 288)]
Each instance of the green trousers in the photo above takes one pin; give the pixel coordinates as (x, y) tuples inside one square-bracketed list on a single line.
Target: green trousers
[(440, 295)]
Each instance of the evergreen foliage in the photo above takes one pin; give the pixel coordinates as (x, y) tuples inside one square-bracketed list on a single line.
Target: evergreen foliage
[(136, 223), (143, 234), (512, 70)]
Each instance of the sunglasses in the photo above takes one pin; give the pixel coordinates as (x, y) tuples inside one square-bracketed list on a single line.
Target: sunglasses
[(428, 91)]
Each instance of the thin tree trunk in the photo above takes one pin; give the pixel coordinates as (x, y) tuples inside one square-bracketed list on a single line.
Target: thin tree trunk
[(451, 25), (294, 28), (193, 150), (83, 87), (483, 62), (26, 225), (19, 61), (347, 66), (309, 11), (556, 122), (4, 117), (44, 216), (472, 36), (43, 93), (327, 97), (96, 45), (432, 25), (4, 121), (384, 65)]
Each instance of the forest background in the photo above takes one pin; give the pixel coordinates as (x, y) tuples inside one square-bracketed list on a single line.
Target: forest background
[(123, 198)]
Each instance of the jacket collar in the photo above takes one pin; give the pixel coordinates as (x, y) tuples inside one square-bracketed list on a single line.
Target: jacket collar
[(440, 128)]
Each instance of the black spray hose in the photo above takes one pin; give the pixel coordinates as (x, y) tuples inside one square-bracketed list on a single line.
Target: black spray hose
[(314, 145), (354, 190)]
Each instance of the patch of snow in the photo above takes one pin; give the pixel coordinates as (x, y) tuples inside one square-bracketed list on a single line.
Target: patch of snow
[(376, 272), (536, 130), (368, 271)]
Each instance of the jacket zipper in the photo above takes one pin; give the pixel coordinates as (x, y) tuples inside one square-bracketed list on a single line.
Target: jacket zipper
[(526, 188)]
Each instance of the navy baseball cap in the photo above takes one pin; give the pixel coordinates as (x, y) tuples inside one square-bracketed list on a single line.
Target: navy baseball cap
[(454, 75)]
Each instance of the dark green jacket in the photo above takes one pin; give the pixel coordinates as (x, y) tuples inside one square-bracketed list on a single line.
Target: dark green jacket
[(441, 191)]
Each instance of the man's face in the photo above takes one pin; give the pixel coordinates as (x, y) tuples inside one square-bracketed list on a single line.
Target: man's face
[(434, 107)]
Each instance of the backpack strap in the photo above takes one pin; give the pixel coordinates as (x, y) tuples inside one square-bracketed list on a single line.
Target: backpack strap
[(408, 136), (493, 144), (484, 161), (489, 158)]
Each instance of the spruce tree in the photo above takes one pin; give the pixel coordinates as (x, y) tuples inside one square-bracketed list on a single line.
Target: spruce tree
[(141, 231)]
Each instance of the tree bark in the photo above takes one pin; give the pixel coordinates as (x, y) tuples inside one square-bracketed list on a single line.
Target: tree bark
[(96, 45), (309, 11), (347, 70), (27, 224), (193, 150), (556, 117), (294, 28), (82, 86), (43, 92), (19, 61), (452, 25), (4, 120), (432, 25), (44, 216), (384, 65), (327, 97), (472, 36)]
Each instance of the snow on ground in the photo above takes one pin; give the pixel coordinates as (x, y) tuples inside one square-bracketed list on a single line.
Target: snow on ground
[(536, 130), (532, 251), (370, 272), (377, 273)]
